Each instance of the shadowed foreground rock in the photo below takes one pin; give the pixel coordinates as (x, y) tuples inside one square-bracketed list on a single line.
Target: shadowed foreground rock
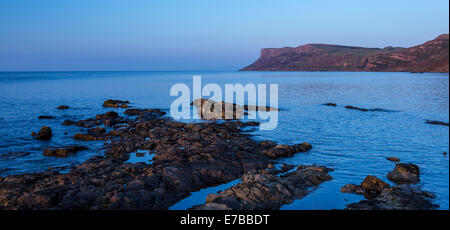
[(267, 191), (187, 158), (381, 196), (401, 197)]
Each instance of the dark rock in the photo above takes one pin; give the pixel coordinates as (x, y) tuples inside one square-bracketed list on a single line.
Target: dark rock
[(436, 123), (63, 151), (98, 182), (356, 108), (68, 122), (401, 197), (404, 174), (188, 157), (115, 103), (352, 188), (286, 150), (374, 184), (431, 56), (14, 155), (264, 191), (393, 159), (267, 144), (46, 117), (87, 137), (87, 123), (145, 113), (370, 187), (45, 133), (63, 107), (330, 104)]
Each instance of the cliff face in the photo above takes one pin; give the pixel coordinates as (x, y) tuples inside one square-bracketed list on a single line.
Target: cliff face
[(431, 56)]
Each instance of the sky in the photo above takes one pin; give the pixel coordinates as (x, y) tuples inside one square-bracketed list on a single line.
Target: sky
[(85, 35)]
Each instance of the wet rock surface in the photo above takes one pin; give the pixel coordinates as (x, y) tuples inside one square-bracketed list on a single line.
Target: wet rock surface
[(187, 158), (63, 151), (368, 110), (46, 117), (286, 150), (264, 190), (45, 133), (370, 187), (115, 103), (401, 197), (405, 174), (381, 196), (393, 159), (436, 123)]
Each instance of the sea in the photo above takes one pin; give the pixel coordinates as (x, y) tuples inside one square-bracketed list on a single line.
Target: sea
[(354, 143)]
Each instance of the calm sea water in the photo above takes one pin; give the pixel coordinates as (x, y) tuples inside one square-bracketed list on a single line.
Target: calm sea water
[(354, 143)]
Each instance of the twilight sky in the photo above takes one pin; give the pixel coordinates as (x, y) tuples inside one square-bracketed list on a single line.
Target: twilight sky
[(198, 34)]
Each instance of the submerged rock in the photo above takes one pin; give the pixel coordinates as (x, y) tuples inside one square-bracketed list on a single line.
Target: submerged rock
[(330, 104), (286, 150), (393, 159), (97, 130), (13, 155), (266, 191), (213, 110), (63, 151), (404, 174), (45, 133), (436, 123), (88, 137), (145, 113), (46, 117), (381, 196)]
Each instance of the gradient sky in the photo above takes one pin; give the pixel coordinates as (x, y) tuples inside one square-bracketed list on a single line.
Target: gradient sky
[(198, 35)]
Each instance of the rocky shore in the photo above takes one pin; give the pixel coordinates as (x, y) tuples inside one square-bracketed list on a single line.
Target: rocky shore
[(187, 158), (402, 196)]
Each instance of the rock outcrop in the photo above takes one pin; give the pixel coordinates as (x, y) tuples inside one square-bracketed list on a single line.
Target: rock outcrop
[(63, 151), (187, 158), (432, 56), (267, 191), (405, 174), (45, 133)]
